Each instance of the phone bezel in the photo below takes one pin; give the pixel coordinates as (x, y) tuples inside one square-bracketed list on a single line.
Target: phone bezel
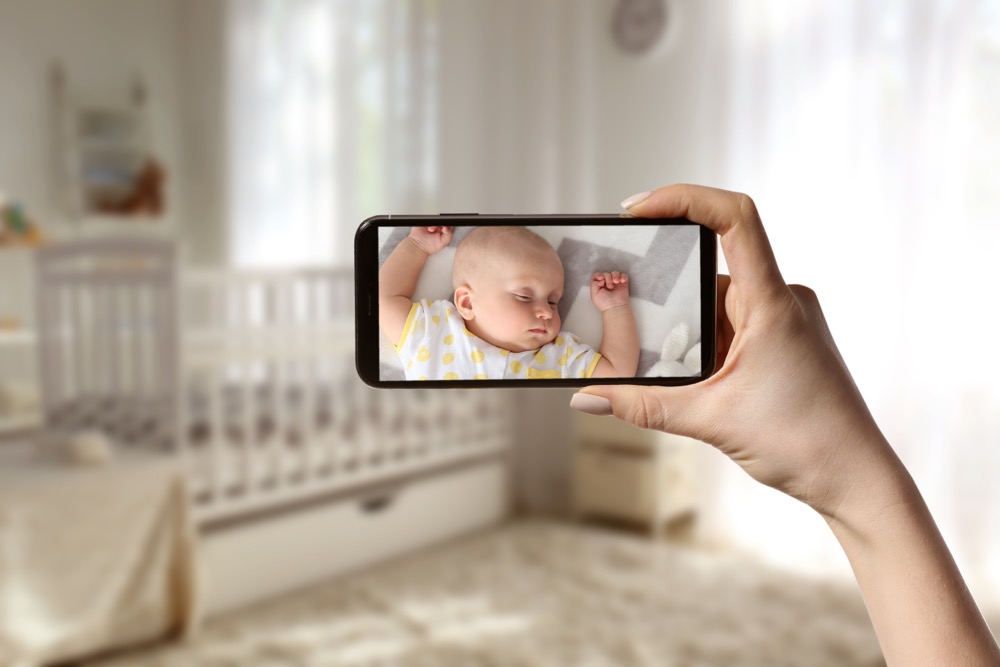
[(366, 268)]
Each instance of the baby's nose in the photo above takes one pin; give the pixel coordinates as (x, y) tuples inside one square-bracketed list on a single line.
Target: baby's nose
[(545, 310)]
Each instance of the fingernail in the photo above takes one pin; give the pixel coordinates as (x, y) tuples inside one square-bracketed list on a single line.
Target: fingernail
[(635, 199), (592, 405)]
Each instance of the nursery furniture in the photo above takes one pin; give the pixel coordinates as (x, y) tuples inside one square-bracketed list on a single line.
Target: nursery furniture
[(91, 557), (246, 380), (627, 473), (247, 377)]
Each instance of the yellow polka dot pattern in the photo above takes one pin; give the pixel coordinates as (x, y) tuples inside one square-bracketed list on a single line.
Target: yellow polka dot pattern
[(444, 354)]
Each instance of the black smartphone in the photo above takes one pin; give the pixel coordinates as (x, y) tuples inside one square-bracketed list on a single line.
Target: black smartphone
[(475, 300)]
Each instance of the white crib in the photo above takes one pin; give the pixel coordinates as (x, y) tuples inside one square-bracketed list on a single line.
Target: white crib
[(247, 376)]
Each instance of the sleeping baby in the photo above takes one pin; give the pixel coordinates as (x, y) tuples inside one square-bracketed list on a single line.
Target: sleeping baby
[(504, 320)]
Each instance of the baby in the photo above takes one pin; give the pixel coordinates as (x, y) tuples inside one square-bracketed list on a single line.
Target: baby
[(504, 321)]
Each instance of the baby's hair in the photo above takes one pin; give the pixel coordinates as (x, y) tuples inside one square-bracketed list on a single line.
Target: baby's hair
[(485, 243)]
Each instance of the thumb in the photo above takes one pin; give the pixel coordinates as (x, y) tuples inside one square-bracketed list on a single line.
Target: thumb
[(667, 409)]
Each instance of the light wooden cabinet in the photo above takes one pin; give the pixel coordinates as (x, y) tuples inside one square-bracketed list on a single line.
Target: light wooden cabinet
[(625, 473)]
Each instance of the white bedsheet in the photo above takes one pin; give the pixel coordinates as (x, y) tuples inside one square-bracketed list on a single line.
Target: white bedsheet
[(91, 558)]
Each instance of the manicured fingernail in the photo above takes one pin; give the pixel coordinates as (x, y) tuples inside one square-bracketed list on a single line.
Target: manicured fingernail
[(592, 405), (635, 199)]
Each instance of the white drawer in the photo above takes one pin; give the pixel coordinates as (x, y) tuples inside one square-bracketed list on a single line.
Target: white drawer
[(247, 563)]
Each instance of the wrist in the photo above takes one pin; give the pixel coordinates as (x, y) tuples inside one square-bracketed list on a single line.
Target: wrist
[(621, 307), (418, 246), (875, 485)]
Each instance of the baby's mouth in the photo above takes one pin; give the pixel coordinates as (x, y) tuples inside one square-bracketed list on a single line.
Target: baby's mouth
[(539, 330)]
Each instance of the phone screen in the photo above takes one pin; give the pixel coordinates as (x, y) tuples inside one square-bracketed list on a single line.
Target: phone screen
[(569, 304)]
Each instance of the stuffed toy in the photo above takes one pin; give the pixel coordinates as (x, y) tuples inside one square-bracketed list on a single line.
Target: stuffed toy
[(676, 358)]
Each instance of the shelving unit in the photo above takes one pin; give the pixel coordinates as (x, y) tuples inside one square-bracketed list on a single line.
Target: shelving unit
[(19, 337), (17, 340)]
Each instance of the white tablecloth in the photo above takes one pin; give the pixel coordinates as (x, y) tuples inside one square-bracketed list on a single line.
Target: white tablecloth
[(92, 557)]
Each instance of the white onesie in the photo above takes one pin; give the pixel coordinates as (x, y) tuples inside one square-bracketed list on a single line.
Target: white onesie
[(435, 345)]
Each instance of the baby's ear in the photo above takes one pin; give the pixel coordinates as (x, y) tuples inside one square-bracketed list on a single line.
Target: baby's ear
[(463, 302)]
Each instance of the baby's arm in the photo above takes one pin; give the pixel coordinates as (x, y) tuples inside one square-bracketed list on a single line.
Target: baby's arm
[(397, 279), (620, 344)]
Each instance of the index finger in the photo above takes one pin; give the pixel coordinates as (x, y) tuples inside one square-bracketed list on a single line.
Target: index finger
[(733, 216)]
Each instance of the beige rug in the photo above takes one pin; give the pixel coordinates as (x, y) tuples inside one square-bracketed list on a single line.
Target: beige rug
[(539, 593)]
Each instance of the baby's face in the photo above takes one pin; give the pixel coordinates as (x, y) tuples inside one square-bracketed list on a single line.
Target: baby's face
[(515, 300)]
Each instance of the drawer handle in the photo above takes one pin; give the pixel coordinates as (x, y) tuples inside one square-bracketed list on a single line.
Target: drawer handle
[(378, 503)]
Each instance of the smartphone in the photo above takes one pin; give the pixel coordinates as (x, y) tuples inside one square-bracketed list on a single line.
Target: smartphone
[(475, 300)]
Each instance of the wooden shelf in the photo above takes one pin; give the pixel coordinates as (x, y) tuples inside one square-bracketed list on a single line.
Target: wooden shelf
[(17, 338)]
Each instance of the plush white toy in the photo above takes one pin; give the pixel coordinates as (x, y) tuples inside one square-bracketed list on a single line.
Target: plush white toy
[(676, 358)]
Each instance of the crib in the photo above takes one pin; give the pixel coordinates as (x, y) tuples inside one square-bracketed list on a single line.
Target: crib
[(246, 376)]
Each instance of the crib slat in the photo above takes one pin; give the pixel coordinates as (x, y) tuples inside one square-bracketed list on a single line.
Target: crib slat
[(309, 381), (277, 444), (79, 349), (245, 326)]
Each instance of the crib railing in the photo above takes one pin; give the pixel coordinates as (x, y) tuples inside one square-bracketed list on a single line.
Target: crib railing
[(108, 337), (247, 376)]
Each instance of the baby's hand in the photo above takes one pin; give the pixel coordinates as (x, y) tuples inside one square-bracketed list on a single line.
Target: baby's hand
[(431, 239), (609, 289)]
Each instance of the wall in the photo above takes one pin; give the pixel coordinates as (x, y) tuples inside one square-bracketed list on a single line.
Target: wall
[(102, 46), (542, 113), (203, 129)]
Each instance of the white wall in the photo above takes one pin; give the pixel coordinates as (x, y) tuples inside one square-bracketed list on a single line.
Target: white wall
[(542, 113), (102, 45), (203, 129)]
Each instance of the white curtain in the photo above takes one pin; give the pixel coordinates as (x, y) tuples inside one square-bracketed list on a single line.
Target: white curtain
[(869, 135), (331, 110)]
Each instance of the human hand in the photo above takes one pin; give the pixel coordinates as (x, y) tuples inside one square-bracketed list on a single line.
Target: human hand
[(609, 289), (431, 239), (782, 403)]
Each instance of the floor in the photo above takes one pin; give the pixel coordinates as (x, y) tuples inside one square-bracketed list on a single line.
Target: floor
[(544, 593)]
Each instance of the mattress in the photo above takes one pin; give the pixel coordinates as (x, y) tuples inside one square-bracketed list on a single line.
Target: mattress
[(339, 429), (545, 593)]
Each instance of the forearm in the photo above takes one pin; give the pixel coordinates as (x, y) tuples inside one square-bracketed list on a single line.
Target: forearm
[(921, 609), (401, 270), (620, 343)]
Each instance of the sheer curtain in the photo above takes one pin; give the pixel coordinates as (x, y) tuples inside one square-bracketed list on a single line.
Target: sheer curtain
[(869, 135), (332, 114)]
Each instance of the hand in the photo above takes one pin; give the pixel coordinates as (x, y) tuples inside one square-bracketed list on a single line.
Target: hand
[(431, 239), (609, 289), (782, 403)]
